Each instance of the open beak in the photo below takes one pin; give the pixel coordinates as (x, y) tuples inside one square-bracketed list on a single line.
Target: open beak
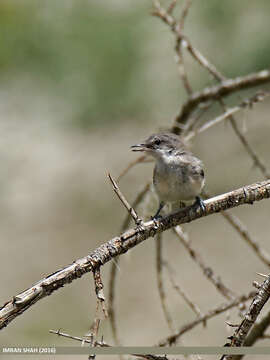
[(139, 147)]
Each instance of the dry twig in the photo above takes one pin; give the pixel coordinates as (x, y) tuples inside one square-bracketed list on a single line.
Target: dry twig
[(81, 339), (113, 273), (210, 314), (258, 97), (123, 200), (127, 240), (194, 307), (240, 334), (225, 88), (207, 271), (161, 291)]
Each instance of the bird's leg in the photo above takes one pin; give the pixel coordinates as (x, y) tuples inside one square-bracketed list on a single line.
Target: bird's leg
[(161, 205), (199, 202), (182, 205)]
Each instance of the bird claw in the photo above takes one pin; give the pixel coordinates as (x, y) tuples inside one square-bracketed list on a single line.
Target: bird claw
[(155, 219), (199, 202)]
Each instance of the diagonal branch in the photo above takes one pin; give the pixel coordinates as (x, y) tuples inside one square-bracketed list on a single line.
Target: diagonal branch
[(225, 88), (127, 240), (240, 334), (206, 269), (202, 319), (161, 290)]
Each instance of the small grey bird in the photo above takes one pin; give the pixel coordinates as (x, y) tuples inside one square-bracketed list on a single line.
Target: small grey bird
[(178, 175)]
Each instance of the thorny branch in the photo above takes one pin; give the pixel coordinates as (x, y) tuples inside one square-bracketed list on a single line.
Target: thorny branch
[(213, 312), (127, 240), (240, 334)]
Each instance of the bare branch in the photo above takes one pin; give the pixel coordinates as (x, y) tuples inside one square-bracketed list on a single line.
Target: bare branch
[(251, 152), (256, 333), (184, 13), (258, 97), (207, 270), (121, 197), (77, 338), (140, 159), (240, 334), (113, 274), (243, 231), (127, 240), (210, 314), (194, 307), (161, 291), (225, 88), (99, 290), (181, 66)]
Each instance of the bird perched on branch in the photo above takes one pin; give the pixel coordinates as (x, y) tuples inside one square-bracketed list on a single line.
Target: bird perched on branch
[(178, 175)]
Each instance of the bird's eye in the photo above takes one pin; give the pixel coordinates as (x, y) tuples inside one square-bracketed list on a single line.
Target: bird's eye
[(157, 141)]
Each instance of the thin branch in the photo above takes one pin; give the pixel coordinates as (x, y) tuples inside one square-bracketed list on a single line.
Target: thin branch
[(127, 240), (184, 13), (243, 231), (140, 159), (77, 338), (161, 291), (113, 274), (225, 88), (99, 290), (207, 270), (123, 200), (111, 298), (257, 162), (240, 334), (210, 314), (181, 67), (194, 307), (197, 55), (258, 97), (171, 7)]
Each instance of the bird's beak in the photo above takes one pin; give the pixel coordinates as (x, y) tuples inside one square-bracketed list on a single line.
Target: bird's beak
[(139, 147)]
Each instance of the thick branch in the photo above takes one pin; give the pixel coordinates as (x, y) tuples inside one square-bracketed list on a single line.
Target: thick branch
[(254, 310), (126, 241), (225, 88)]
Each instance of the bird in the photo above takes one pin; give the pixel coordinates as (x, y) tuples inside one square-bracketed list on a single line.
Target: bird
[(178, 175)]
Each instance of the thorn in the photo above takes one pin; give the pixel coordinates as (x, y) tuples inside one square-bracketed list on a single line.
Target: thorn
[(263, 275), (256, 284), (231, 325)]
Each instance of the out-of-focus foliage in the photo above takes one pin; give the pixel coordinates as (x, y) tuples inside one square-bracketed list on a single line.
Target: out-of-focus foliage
[(85, 53), (105, 59)]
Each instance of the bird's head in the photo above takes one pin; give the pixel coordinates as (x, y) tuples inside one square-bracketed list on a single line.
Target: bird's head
[(159, 145)]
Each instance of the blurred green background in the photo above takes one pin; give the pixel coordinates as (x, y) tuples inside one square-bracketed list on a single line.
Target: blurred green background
[(81, 81)]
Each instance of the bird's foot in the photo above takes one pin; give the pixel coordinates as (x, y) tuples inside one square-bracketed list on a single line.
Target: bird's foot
[(199, 202), (157, 216)]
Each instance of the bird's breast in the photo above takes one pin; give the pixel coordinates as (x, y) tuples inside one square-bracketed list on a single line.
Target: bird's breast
[(176, 182)]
